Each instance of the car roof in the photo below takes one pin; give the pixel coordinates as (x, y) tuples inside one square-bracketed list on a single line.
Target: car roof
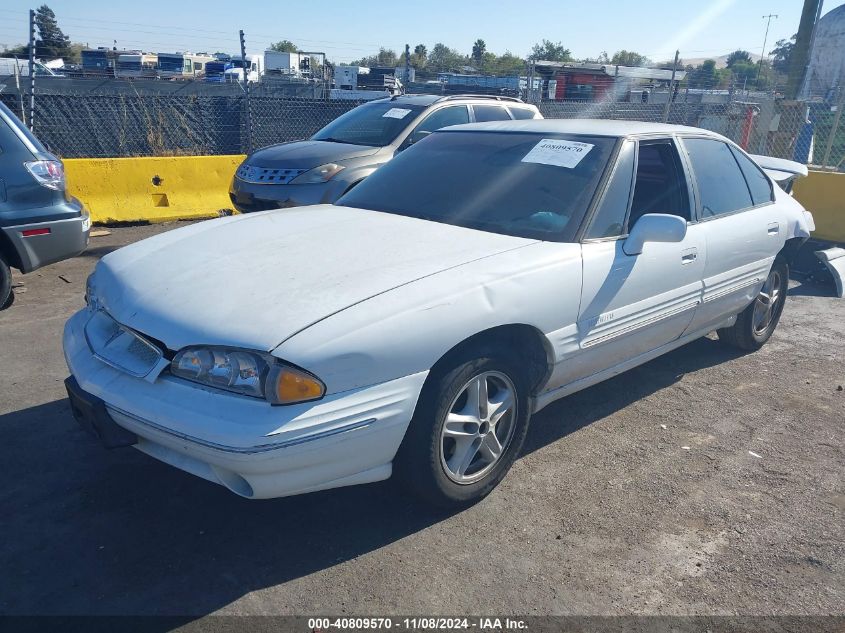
[(426, 99), (592, 127)]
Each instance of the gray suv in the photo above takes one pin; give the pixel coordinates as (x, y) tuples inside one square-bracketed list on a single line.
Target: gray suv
[(40, 223), (350, 148)]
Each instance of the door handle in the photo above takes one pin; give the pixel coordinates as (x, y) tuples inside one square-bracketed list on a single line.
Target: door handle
[(689, 256), (774, 228)]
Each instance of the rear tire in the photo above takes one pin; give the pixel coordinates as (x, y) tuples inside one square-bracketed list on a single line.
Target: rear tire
[(6, 296), (756, 324), (468, 428)]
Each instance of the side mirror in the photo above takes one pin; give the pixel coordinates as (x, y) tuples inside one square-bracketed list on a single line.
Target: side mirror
[(654, 227)]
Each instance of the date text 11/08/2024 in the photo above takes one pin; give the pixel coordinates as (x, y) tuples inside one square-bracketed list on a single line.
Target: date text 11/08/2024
[(416, 624)]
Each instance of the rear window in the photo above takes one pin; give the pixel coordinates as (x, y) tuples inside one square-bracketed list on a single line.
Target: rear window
[(758, 183), (14, 125), (522, 184)]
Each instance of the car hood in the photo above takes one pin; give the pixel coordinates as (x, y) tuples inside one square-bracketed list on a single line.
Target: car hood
[(307, 154), (255, 280)]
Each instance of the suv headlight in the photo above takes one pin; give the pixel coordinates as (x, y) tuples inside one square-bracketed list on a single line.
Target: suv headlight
[(248, 373), (323, 173)]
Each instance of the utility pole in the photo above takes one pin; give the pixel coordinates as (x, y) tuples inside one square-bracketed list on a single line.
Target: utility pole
[(671, 87), (248, 115), (32, 70), (768, 19), (801, 51), (407, 65)]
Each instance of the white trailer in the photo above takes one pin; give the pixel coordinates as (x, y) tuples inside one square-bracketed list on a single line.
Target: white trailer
[(346, 77), (283, 63)]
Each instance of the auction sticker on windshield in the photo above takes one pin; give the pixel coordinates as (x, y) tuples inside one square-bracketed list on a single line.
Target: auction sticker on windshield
[(396, 113), (552, 151)]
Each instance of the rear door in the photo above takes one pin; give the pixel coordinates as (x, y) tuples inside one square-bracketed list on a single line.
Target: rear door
[(633, 304), (742, 227)]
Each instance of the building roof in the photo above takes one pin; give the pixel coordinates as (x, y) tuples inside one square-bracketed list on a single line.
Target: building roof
[(594, 127)]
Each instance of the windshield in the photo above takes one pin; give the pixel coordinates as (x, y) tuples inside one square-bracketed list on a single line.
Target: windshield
[(377, 124), (523, 184)]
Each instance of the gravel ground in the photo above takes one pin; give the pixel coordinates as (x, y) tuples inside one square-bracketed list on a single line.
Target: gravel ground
[(705, 482)]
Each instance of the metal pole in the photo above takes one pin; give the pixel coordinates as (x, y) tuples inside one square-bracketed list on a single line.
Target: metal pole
[(671, 87), (32, 70), (407, 66), (768, 19), (248, 117), (802, 91), (840, 102)]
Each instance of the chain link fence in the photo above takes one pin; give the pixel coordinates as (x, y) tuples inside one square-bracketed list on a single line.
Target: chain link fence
[(117, 119)]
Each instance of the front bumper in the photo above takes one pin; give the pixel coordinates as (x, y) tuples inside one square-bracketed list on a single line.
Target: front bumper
[(67, 237), (254, 449), (248, 197)]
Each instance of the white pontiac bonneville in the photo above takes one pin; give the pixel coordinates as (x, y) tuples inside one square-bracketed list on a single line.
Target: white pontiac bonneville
[(416, 325)]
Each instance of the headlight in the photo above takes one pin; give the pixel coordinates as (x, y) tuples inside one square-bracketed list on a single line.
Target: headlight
[(246, 372), (91, 298), (323, 173)]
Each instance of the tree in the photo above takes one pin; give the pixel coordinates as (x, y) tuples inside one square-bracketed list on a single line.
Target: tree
[(744, 73), (628, 58), (782, 54), (421, 53), (550, 51), (384, 57), (738, 57), (21, 50), (478, 50), (507, 64), (445, 59), (704, 76), (284, 46), (51, 41)]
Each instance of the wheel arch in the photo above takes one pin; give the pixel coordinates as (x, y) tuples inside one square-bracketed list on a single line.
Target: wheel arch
[(8, 252), (526, 343), (790, 249)]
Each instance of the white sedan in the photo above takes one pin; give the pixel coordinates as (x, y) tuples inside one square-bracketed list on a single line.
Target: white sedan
[(415, 326)]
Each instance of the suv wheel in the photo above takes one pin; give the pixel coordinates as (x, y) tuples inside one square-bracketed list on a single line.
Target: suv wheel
[(6, 296)]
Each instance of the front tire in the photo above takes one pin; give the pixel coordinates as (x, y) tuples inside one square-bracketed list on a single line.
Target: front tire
[(468, 428), (756, 324)]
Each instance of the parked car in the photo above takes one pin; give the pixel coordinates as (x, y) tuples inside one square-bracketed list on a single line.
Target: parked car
[(40, 223), (416, 325), (354, 145)]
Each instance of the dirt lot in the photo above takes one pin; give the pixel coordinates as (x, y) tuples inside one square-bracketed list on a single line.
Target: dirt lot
[(640, 495)]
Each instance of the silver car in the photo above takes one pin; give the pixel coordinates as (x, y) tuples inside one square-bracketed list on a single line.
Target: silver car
[(353, 146)]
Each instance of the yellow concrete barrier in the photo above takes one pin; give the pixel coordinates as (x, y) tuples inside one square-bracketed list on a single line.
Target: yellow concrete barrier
[(823, 194), (152, 189)]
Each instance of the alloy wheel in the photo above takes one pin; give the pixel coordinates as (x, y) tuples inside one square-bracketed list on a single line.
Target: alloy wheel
[(765, 306), (478, 427)]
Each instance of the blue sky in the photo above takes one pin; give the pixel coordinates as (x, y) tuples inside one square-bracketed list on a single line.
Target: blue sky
[(346, 30)]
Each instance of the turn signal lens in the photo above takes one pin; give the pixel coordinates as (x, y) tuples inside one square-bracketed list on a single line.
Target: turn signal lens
[(291, 385)]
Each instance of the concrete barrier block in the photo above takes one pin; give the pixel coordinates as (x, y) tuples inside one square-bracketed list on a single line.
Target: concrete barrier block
[(823, 194), (152, 189)]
